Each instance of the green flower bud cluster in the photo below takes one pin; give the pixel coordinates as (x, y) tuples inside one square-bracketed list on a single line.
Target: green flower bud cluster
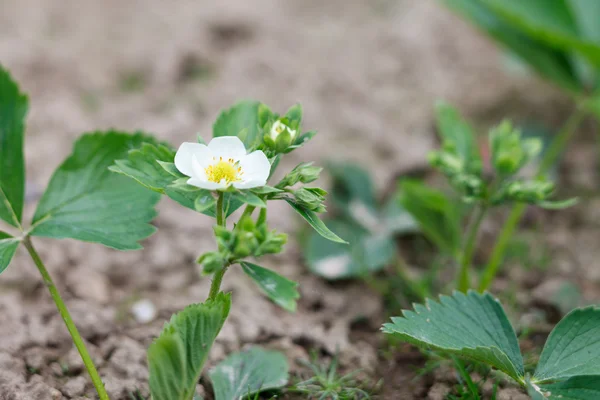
[(281, 134), (247, 239), (465, 178), (311, 198), (531, 192), (510, 152)]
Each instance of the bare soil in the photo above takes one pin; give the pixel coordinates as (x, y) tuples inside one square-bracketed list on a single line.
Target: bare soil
[(367, 72)]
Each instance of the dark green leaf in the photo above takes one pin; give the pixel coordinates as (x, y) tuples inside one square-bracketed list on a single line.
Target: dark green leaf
[(249, 198), (314, 221), (551, 63), (572, 348), (86, 201), (176, 358), (363, 255), (13, 109), (206, 203), (281, 290), (249, 372), (242, 116), (437, 216), (575, 388), (472, 326), (8, 247)]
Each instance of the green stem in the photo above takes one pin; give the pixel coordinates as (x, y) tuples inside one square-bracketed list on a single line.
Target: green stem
[(466, 257), (549, 158), (215, 286), (64, 313), (247, 211)]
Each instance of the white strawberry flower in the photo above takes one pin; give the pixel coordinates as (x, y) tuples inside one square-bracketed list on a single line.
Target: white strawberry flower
[(279, 127), (223, 163)]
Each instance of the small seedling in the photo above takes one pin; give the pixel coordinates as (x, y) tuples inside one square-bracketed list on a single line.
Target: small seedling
[(474, 326), (461, 162), (327, 384)]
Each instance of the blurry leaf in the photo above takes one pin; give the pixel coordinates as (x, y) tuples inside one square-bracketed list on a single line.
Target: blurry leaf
[(86, 201), (294, 114), (249, 372), (472, 326), (176, 358), (13, 109), (397, 219), (454, 129), (437, 216), (551, 63), (587, 16), (557, 204), (314, 221), (249, 198), (364, 253), (572, 348), (282, 291), (575, 388), (205, 203), (353, 190), (242, 116), (550, 22), (8, 247)]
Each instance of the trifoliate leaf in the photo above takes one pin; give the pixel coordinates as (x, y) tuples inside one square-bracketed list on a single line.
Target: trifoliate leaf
[(281, 290), (249, 372), (472, 326), (8, 247), (243, 116), (575, 388), (314, 221), (86, 201), (13, 109), (176, 358), (572, 348)]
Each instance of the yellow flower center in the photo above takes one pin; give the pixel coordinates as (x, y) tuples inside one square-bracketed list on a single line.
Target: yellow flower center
[(229, 170)]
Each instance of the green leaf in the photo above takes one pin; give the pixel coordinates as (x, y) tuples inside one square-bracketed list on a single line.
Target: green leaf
[(206, 203), (314, 221), (249, 198), (242, 116), (586, 14), (353, 191), (265, 190), (176, 358), (557, 204), (575, 388), (294, 114), (364, 254), (249, 372), (396, 219), (454, 129), (281, 290), (472, 326), (437, 216), (551, 63), (572, 348), (8, 247), (549, 22), (167, 368), (13, 109), (86, 201)]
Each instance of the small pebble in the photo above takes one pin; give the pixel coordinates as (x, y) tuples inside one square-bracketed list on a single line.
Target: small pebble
[(143, 311)]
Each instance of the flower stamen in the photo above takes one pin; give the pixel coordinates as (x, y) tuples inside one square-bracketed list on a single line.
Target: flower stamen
[(228, 171)]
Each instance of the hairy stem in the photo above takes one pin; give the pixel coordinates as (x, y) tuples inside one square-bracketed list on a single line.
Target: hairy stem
[(64, 313), (466, 256), (215, 286), (550, 156)]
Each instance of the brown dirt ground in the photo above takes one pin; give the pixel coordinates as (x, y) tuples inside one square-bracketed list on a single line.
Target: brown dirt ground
[(367, 73)]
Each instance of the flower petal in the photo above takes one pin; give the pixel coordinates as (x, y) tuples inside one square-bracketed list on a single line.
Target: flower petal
[(198, 169), (256, 166), (183, 157), (249, 184), (205, 184), (227, 147)]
